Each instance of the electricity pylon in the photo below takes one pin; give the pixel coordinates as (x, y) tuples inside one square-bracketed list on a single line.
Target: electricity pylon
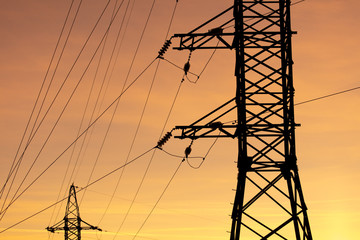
[(71, 224), (269, 202)]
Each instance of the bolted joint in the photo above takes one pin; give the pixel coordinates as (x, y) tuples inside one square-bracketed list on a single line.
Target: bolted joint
[(291, 161), (245, 164), (288, 166)]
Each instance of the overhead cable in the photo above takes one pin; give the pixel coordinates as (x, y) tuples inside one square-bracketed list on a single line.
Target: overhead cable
[(76, 139), (131, 146), (191, 157), (36, 101), (168, 135), (158, 200), (32, 134), (81, 189), (150, 161), (47, 111), (87, 104), (326, 96), (117, 104), (186, 68)]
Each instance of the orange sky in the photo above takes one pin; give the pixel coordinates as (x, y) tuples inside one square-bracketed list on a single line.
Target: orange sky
[(197, 203)]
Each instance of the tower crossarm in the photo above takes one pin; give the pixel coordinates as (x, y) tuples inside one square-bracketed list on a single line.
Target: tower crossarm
[(206, 131), (209, 125), (196, 41), (56, 227), (89, 226), (209, 35), (72, 222)]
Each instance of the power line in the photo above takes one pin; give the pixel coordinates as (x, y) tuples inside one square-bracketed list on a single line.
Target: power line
[(11, 171), (157, 202), (126, 79), (111, 120), (106, 88), (181, 68), (194, 74), (326, 96), (133, 141), (81, 189), (315, 99), (187, 158), (76, 139), (151, 159), (87, 103), (63, 110)]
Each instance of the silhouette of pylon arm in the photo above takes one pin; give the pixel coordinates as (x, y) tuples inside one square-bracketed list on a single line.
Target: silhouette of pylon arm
[(209, 35), (71, 223)]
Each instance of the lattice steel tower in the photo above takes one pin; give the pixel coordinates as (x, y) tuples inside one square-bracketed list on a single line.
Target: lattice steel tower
[(71, 224), (269, 202)]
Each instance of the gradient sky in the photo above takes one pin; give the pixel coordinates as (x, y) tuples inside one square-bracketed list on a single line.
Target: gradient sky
[(197, 203)]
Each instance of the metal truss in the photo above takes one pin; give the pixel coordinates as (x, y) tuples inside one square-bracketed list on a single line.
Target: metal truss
[(260, 34), (71, 224)]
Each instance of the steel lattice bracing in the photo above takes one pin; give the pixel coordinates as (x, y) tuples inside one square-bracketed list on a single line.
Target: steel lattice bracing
[(265, 129), (71, 224)]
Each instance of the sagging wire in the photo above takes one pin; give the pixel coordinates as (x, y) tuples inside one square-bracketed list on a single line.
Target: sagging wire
[(178, 156), (186, 67), (158, 200), (77, 191), (77, 138), (203, 158), (16, 195), (187, 150), (149, 164), (126, 79), (207, 63), (36, 101), (87, 106)]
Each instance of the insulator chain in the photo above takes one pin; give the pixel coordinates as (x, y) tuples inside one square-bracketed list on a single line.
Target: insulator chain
[(164, 139), (164, 48), (187, 65), (188, 150)]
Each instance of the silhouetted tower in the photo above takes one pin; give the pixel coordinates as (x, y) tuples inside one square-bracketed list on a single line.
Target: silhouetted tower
[(71, 224), (269, 202)]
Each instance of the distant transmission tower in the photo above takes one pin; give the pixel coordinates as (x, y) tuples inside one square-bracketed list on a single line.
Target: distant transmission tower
[(71, 224), (269, 202)]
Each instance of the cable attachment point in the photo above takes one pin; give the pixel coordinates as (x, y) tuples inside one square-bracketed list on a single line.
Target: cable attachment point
[(164, 139), (215, 125), (188, 150), (187, 65), (216, 31), (164, 48)]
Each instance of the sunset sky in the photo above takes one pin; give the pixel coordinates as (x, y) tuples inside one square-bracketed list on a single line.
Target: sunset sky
[(196, 205)]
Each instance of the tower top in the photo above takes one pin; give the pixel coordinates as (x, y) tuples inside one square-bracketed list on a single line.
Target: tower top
[(71, 223)]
